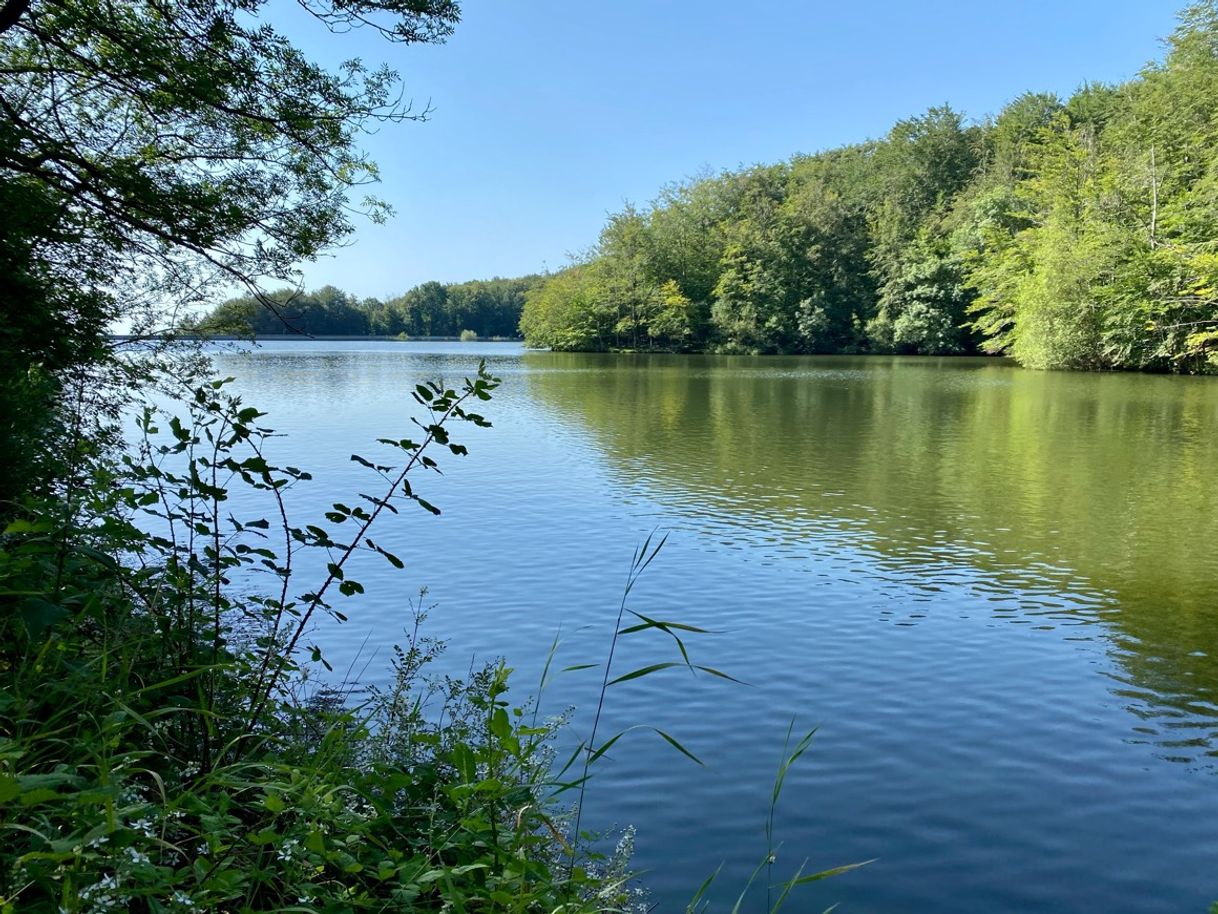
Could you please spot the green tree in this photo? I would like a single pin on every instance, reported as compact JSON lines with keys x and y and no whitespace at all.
{"x":424,"y":309}
{"x":922,"y":308}
{"x":794,"y":273}
{"x":1068,"y":234}
{"x":153,"y":152}
{"x":673,"y":323}
{"x":568,"y":312}
{"x":52,"y":331}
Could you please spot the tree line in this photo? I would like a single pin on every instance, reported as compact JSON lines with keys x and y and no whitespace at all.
{"x":487,"y":308}
{"x":1068,"y":233}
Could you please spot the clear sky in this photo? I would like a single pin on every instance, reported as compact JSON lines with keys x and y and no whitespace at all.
{"x":548,"y":115}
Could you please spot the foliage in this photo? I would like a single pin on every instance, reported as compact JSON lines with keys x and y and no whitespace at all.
{"x":1068,"y":234}
{"x":489,"y":308}
{"x":192,"y":136}
{"x":154,"y":153}
{"x":568,"y":311}
{"x":156,"y":750}
{"x":52,"y":333}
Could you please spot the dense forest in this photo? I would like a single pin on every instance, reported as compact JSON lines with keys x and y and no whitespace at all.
{"x":1078,"y":233}
{"x":487,"y":308}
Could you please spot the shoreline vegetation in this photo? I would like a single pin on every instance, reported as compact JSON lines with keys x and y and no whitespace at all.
{"x":324,"y":337}
{"x":1070,"y":233}
{"x":1065,"y":233}
{"x":482,"y":309}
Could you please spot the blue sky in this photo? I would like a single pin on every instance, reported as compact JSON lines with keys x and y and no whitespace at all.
{"x":548,"y":115}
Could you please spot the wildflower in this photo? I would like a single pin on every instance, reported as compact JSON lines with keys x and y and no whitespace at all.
{"x":135,"y":856}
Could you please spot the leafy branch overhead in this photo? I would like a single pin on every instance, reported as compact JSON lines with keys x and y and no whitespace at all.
{"x":158,"y":154}
{"x":173,"y":136}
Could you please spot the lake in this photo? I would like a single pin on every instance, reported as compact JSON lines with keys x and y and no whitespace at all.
{"x":992,"y":590}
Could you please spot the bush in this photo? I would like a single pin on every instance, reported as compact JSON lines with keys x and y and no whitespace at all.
{"x":468,"y":336}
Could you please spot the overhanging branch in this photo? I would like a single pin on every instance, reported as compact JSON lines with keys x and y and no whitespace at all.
{"x":10,"y":12}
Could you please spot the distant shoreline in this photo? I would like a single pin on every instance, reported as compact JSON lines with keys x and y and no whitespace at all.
{"x":324,"y":337}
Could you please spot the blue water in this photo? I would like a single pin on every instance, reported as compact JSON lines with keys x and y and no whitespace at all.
{"x":993,"y":592}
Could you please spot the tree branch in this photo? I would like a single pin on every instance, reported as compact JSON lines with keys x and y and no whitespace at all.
{"x":12,"y":11}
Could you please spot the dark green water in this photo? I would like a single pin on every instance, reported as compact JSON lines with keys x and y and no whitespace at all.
{"x":992,"y":589}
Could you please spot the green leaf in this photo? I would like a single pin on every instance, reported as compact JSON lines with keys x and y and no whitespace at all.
{"x":27,"y":526}
{"x":39,"y":615}
{"x":676,"y":745}
{"x":643,"y":671}
{"x":37,"y":796}
{"x":500,"y":726}
{"x":719,"y":673}
{"x":664,"y":625}
{"x":825,"y":874}
{"x":465,"y":762}
{"x":605,"y":746}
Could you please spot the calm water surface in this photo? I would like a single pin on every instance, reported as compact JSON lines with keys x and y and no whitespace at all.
{"x":993,"y":590}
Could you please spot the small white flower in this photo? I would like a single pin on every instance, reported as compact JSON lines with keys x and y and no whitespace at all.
{"x":135,"y":856}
